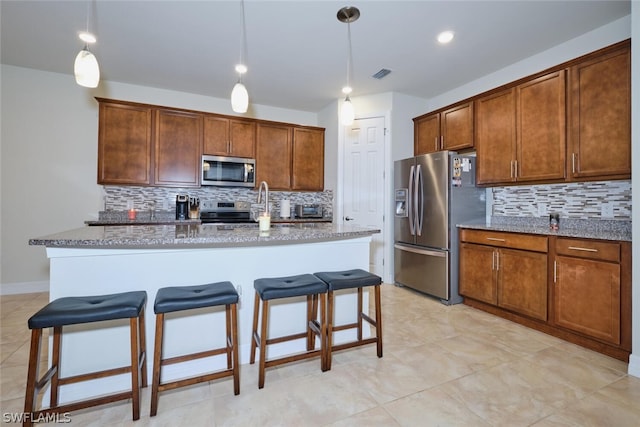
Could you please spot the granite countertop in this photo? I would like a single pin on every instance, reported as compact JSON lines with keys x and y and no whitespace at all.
{"x":199,"y":235}
{"x":579,"y":228}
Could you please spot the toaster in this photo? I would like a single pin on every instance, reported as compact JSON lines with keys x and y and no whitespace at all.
{"x":308,"y":211}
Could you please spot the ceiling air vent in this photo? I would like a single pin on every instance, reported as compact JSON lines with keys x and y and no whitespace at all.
{"x":381,"y":74}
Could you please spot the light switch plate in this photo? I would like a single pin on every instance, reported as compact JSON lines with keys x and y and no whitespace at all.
{"x":542,"y":209}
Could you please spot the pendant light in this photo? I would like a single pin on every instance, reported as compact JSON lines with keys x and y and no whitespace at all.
{"x":239,"y":94}
{"x":85,"y":67}
{"x":348,"y":14}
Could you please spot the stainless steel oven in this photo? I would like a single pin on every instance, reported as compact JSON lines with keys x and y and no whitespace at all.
{"x":228,"y":171}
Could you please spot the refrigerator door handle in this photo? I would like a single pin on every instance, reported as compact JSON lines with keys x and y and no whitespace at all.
{"x":419,"y":200}
{"x":411,"y":201}
{"x":440,"y":254}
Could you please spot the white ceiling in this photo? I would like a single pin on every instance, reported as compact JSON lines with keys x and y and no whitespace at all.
{"x":296,"y":50}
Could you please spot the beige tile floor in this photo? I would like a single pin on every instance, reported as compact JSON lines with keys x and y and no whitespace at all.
{"x":451,"y":366}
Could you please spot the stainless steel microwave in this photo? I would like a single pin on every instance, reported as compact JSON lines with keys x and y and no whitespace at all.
{"x":228,"y":171}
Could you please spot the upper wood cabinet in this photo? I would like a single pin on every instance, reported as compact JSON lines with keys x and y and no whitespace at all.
{"x":273,"y":155}
{"x":124,"y":144}
{"x":229,"y":137}
{"x":308,"y":159}
{"x":290,"y":157}
{"x":177,"y":148}
{"x":451,"y":129}
{"x":600,"y":116}
{"x":520,"y":132}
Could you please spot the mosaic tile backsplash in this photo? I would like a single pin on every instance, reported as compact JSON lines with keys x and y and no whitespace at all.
{"x":164,"y":199}
{"x":583,"y":200}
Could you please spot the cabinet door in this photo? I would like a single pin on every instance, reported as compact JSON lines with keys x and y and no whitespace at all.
{"x":426,"y":138}
{"x":457,"y":127}
{"x":308,"y":160}
{"x":177,"y":149}
{"x":124,"y":144}
{"x":587,"y":297}
{"x":477,"y":278}
{"x":216,"y":136}
{"x":600,"y":116}
{"x":273,"y":156}
{"x":522,"y":282}
{"x":541,"y":141}
{"x":496,"y":137}
{"x":242,"y":138}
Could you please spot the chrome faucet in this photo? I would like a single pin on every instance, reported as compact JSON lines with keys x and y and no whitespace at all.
{"x":264,"y":185}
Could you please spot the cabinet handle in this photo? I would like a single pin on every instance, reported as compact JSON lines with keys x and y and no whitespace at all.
{"x":555,"y":271}
{"x":493,"y":260}
{"x":436,"y":143}
{"x":577,"y":248}
{"x":497,"y":260}
{"x":515,"y":169}
{"x":442,"y":142}
{"x":573,"y":162}
{"x":496,"y":239}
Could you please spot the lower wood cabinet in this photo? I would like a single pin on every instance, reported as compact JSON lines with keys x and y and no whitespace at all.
{"x":506,"y":270}
{"x":575,"y":289}
{"x":586,"y":287}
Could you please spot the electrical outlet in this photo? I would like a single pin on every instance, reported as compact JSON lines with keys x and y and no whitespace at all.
{"x":542,"y":209}
{"x":606,"y":210}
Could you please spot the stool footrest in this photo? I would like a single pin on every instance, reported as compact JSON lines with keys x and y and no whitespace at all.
{"x":94,"y":375}
{"x":351,"y":344}
{"x":187,"y":357}
{"x":70,"y":407}
{"x":195,"y":380}
{"x":292,"y":358}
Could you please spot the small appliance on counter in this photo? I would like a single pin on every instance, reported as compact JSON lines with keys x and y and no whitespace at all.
{"x":309,"y":211}
{"x":182,"y":206}
{"x":194,"y":207}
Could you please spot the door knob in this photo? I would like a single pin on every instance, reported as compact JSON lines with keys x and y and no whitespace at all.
{"x":348,"y":218}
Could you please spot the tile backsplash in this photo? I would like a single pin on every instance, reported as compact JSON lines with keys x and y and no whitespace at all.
{"x":582,"y":200}
{"x":164,"y":199}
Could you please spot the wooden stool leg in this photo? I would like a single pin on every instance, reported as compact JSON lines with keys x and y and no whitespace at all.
{"x":143,"y":347}
{"x":135,"y":368}
{"x":329,"y":326}
{"x":254,"y":333}
{"x":33,"y":374}
{"x":263,"y":342}
{"x":378,"y":320}
{"x":157,"y":361}
{"x":323,"y":333}
{"x":312,"y":308}
{"x":360,"y":311}
{"x":227,"y":323}
{"x":55,"y":361}
{"x":234,"y":348}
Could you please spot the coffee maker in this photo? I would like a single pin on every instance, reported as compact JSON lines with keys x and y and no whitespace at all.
{"x":182,"y":206}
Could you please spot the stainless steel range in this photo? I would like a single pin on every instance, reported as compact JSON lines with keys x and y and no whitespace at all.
{"x":224,"y":212}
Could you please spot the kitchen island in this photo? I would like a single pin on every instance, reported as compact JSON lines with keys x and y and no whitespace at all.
{"x":108,"y":259}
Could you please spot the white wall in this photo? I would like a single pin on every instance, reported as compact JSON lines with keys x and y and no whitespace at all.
{"x":634,"y":360}
{"x":49,"y":159}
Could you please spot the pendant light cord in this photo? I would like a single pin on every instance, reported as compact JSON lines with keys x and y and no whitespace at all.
{"x":243,"y":36}
{"x":349,"y":53}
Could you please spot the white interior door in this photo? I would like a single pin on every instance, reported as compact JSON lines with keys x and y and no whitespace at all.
{"x":363,"y":191}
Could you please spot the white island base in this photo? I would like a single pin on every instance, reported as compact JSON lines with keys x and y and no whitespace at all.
{"x":96,"y":271}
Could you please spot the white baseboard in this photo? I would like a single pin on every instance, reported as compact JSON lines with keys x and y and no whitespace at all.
{"x":634,"y":365}
{"x":24,"y":287}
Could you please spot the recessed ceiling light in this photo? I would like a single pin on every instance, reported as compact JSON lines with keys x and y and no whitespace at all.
{"x":87,"y":37}
{"x":445,"y":37}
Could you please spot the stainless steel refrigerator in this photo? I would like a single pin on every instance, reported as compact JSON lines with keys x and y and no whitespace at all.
{"x":433,"y":193}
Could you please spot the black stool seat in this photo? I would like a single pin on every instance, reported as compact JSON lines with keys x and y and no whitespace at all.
{"x":87,"y":309}
{"x":291,"y":286}
{"x":356,"y":278}
{"x":177,"y":298}
{"x":78,"y":310}
{"x":352,"y":279}
{"x":182,"y":298}
{"x":287,"y":287}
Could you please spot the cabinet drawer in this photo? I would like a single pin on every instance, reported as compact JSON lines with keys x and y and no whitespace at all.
{"x":590,"y":249}
{"x":506,"y":240}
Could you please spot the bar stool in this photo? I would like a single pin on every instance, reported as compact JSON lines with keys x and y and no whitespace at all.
{"x":286,"y":287}
{"x":180,"y":298}
{"x":350,"y":279}
{"x":80,"y":310}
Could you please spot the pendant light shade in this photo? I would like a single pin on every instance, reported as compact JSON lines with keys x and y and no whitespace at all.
{"x":348,"y":15}
{"x":239,"y":98}
{"x":347,"y":113}
{"x":86,"y":69}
